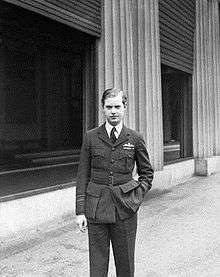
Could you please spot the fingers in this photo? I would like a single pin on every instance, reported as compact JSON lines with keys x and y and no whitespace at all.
{"x":85,"y":223}
{"x":83,"y":226}
{"x":83,"y":229}
{"x":82,"y":223}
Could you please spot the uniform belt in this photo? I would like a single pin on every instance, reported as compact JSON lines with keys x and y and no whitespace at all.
{"x":110,"y":182}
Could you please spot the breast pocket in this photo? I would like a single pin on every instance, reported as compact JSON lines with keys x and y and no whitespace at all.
{"x":125,"y":160}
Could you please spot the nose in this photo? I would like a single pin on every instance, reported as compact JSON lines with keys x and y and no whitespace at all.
{"x":113,"y":110}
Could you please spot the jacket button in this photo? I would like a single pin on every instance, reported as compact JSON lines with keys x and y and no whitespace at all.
{"x":112,"y":161}
{"x":111,"y":173}
{"x":113,"y":148}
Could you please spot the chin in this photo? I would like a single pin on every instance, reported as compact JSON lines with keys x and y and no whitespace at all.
{"x":114,"y":123}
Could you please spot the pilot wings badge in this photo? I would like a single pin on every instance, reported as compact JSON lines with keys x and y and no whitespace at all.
{"x":128,"y":146}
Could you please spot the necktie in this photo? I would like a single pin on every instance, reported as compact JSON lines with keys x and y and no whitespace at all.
{"x":112,"y":135}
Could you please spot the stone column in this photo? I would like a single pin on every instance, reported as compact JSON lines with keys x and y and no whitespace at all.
{"x":214,"y":71}
{"x":147,"y":68}
{"x":206,"y":84}
{"x":115,"y":53}
{"x":129,"y":58}
{"x":206,"y":88}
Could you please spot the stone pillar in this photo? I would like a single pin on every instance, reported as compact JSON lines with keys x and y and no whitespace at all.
{"x":214,"y":71}
{"x":206,"y":84}
{"x":115,"y":53}
{"x":147,"y":68}
{"x":129,"y":58}
{"x":206,"y":88}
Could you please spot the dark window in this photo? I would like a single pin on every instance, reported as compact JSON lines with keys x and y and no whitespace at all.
{"x":177,"y":113}
{"x":19,"y":87}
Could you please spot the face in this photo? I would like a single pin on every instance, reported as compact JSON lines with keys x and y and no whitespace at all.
{"x":114,"y":110}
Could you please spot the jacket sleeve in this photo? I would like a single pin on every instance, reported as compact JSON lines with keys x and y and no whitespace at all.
{"x":144,"y":168}
{"x":83,"y":176}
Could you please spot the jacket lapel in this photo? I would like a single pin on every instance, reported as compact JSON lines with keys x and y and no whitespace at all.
{"x":123,"y":137}
{"x":103,"y":135}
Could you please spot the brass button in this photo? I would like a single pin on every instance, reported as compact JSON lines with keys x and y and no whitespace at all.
{"x":113,"y":148}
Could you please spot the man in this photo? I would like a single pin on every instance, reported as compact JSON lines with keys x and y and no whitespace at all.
{"x":107,"y":197}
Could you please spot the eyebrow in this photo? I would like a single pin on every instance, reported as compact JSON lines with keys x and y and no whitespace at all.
{"x":109,"y":106}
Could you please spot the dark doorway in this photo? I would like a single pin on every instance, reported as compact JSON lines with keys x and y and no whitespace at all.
{"x":177,"y":113}
{"x":43,"y":71}
{"x":63,"y":100}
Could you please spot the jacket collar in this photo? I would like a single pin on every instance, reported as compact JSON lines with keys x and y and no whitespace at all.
{"x":103,"y":135}
{"x":109,"y":127}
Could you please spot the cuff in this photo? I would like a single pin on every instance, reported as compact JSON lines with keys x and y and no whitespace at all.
{"x":80,"y":204}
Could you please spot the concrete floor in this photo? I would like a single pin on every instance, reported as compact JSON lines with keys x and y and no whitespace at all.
{"x":178,"y":235}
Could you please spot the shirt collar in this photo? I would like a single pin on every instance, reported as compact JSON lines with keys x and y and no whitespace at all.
{"x":118,"y":128}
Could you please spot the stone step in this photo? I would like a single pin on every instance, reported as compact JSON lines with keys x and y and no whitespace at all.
{"x":47,"y":154}
{"x":56,"y":159}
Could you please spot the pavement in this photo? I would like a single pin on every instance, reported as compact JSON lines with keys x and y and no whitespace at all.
{"x":178,"y":235}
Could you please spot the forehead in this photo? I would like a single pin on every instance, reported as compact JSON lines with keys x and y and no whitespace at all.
{"x":113,"y":101}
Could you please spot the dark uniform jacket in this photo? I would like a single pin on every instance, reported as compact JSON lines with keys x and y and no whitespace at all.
{"x":104,"y":179}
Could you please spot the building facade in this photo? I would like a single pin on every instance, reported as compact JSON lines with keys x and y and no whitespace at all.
{"x":172,"y":52}
{"x":57,"y":57}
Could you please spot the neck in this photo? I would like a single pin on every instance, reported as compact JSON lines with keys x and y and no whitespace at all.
{"x":120,"y":123}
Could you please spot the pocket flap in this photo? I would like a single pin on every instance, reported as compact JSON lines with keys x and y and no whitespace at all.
{"x":94,"y":189}
{"x":129,"y":186}
{"x":98,"y":152}
{"x":127,"y":154}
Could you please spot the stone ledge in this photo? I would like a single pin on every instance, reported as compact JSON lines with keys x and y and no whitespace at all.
{"x":207,"y":166}
{"x":174,"y":174}
{"x":30,"y":212}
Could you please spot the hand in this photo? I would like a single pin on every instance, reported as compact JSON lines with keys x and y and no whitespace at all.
{"x":81,"y":221}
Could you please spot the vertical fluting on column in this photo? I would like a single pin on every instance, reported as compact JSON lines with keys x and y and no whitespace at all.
{"x":201,"y":140}
{"x":205,"y":81}
{"x":214,"y":71}
{"x":147,"y":76}
{"x":115,"y":53}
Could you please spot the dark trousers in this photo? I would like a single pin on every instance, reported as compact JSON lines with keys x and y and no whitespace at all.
{"x":122,"y":235}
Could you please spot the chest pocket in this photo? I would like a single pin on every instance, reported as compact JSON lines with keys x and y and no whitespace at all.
{"x":98,"y":157}
{"x":127,"y":154}
{"x":125,"y":160}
